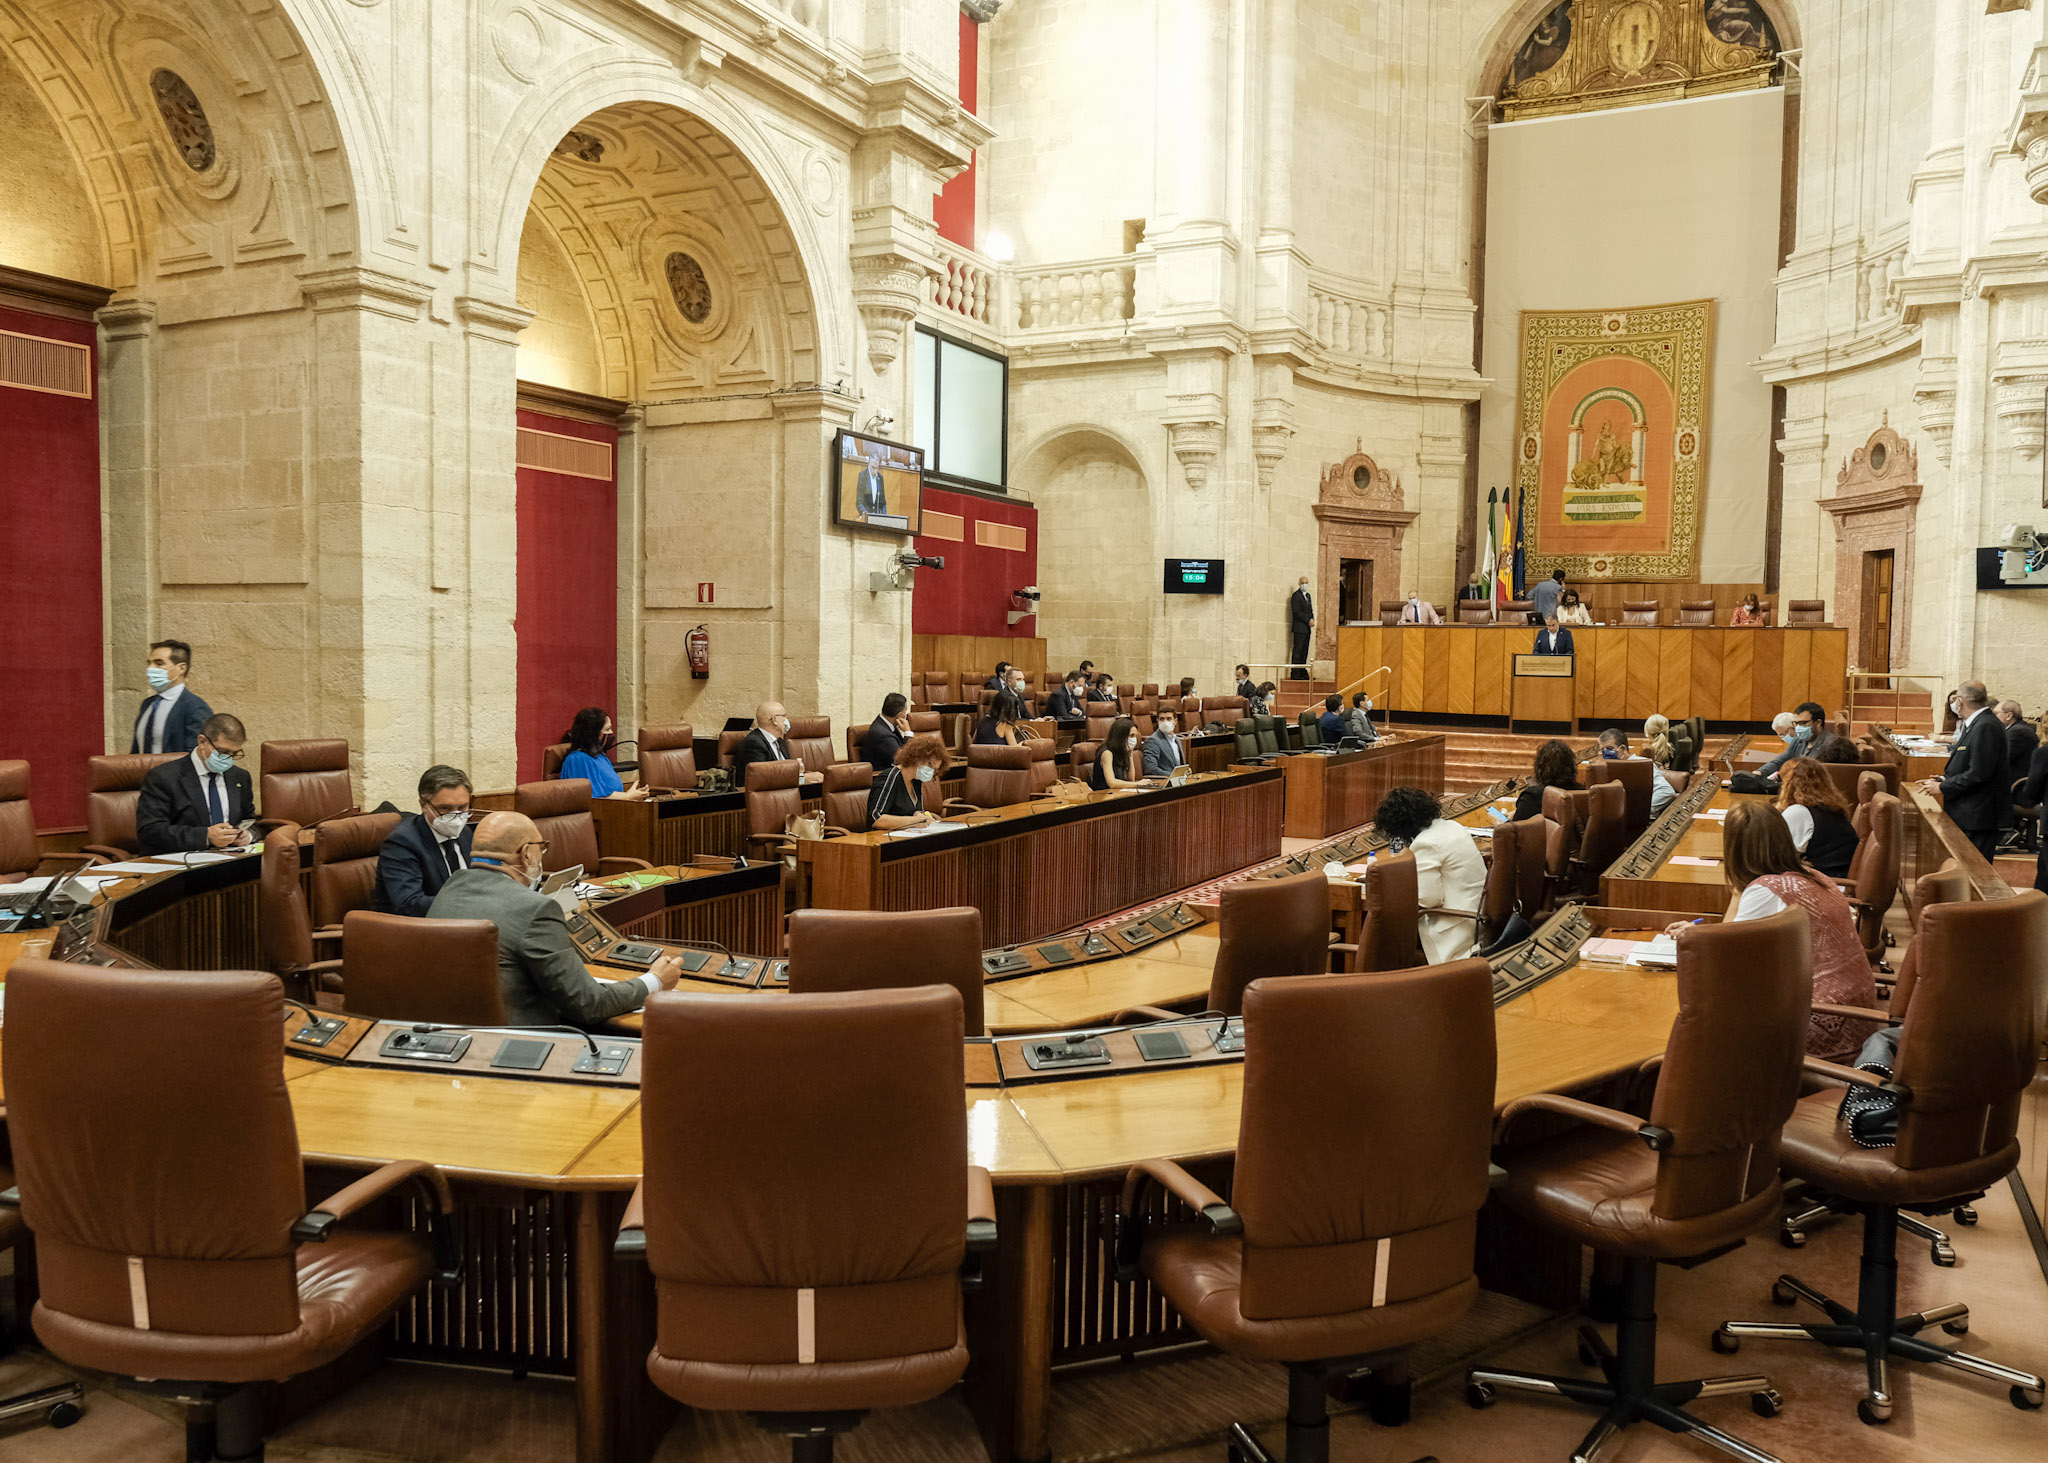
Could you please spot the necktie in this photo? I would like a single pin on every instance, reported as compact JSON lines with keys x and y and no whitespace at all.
{"x":454,"y":861}
{"x":213,"y":799}
{"x":154,"y":742}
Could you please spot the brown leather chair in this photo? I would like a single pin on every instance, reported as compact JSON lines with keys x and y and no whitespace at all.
{"x":1849,"y":777}
{"x":668,"y":755}
{"x":64,"y":1403}
{"x":1806,"y":612}
{"x":774,"y":796}
{"x":439,"y":970}
{"x":1564,"y":808}
{"x":1693,"y":1181}
{"x":807,"y":1248}
{"x":1268,"y":927}
{"x":1639,"y":612}
{"x":169,"y":1208}
{"x":1638,"y":779}
{"x":1526,"y":845}
{"x":1391,"y":936}
{"x":552,"y":757}
{"x":304,"y":781}
{"x":810,"y":742}
{"x":1604,"y":836}
{"x":1081,"y":759}
{"x":20,"y":854}
{"x":113,"y":784}
{"x":728,"y":743}
{"x":925,"y":723}
{"x":1099,"y":723}
{"x":1045,"y":766}
{"x":561,"y":810}
{"x":1475,"y":612}
{"x":1967,"y":1052}
{"x":345,"y":867}
{"x":1876,"y":873}
{"x":997,"y":777}
{"x":1500,"y":896}
{"x":846,"y":789}
{"x":1125,"y":690}
{"x":1331,"y":1250}
{"x":284,"y":928}
{"x":1696,"y":612}
{"x":1517,"y":611}
{"x":871,"y":950}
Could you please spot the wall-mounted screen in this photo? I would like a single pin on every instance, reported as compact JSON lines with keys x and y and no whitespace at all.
{"x":960,"y":410}
{"x":1194,"y":576}
{"x":877,"y":484}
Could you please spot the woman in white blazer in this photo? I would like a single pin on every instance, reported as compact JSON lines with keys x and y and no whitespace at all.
{"x":1449,"y":872}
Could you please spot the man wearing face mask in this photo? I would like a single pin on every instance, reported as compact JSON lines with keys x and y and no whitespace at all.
{"x":767,"y":742}
{"x":1161,"y":751}
{"x":424,"y":850}
{"x":1301,"y":618}
{"x":540,"y":971}
{"x":172,"y":713}
{"x":198,"y":802}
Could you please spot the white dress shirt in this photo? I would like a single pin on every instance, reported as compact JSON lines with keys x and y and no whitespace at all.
{"x":153,"y":727}
{"x":209,"y":780}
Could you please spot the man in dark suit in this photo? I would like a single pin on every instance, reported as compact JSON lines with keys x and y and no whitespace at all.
{"x":1301,"y":618}
{"x":767,"y":742}
{"x":428,"y":847}
{"x":1000,"y":679}
{"x":540,"y":970}
{"x":1552,"y":639}
{"x":171,"y":715}
{"x":870,"y":494}
{"x":1161,"y":752}
{"x":1068,"y":699}
{"x":886,"y":733}
{"x":198,"y":802}
{"x":1975,"y":792}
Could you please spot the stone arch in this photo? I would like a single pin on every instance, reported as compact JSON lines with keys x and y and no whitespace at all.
{"x":1095,"y":541}
{"x":582,"y":89}
{"x":278,"y":187}
{"x":1517,"y":17}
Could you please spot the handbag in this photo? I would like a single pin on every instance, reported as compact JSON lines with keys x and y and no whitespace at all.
{"x":1873,"y":1116}
{"x":805,"y":826}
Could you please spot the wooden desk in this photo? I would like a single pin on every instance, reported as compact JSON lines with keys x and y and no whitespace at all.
{"x":1681,"y":887}
{"x":671,"y":830}
{"x":1625,"y":673}
{"x":739,"y":908}
{"x":1328,"y":794}
{"x":1042,"y":867}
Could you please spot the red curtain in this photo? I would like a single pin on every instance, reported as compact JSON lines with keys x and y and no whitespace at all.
{"x":568,"y":616}
{"x":972,"y":593}
{"x":50,"y":626}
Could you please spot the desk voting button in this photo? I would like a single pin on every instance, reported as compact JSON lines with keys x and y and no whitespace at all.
{"x":694,"y":960}
{"x":1094,"y":944}
{"x":318,"y":1031}
{"x":1053,"y":1054}
{"x":607,"y":1061}
{"x":1005,"y":962}
{"x":1230,"y":1036}
{"x":425,"y":1046}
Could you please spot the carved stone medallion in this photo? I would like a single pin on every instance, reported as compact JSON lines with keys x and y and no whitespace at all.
{"x":691,"y":289}
{"x":183,"y":118}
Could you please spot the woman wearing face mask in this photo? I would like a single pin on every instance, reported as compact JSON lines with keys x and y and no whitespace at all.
{"x":590,"y":742}
{"x":1117,"y":764}
{"x":896,"y":799}
{"x":1571,"y":612}
{"x":1004,"y":724}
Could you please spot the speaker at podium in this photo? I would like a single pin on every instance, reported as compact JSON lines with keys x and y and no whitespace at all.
{"x":1545,"y":689}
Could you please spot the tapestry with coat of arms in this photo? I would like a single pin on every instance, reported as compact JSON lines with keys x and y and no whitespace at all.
{"x":1610,"y":440}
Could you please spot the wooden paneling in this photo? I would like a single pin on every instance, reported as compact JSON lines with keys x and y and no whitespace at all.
{"x":976,"y":655}
{"x":1605,"y":599}
{"x":1327,"y":795}
{"x":1625,"y":673}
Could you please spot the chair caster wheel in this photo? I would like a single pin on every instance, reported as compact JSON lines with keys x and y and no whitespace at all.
{"x":1478,"y":1395}
{"x":1874,"y":1414}
{"x":1725,"y":1344}
{"x":1783,"y":1294}
{"x":1766,"y":1403}
{"x":1965,"y":1214}
{"x":1792,"y":1239}
{"x":2027,"y":1399}
{"x":1960,"y":1326}
{"x":63,"y":1414}
{"x":1944,"y":1254}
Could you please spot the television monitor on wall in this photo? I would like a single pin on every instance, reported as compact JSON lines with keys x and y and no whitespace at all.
{"x":877,"y":484}
{"x":1194,"y":576}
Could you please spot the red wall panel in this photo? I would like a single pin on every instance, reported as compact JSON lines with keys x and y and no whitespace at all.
{"x":971,"y":594}
{"x":568,"y":615}
{"x":50,"y":628}
{"x":953,"y":205}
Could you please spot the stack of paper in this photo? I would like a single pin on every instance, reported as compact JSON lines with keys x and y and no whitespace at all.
{"x":1609,"y":951}
{"x":941,"y":827}
{"x":1658,"y":954}
{"x":128,"y":869}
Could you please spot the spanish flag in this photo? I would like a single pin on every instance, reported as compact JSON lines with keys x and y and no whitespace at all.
{"x":1504,"y":562}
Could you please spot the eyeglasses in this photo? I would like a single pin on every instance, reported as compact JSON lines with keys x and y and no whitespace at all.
{"x":539,"y":843}
{"x":231,"y":756}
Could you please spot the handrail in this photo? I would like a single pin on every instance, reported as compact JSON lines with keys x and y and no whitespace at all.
{"x":1856,"y":675}
{"x":1347,"y":690}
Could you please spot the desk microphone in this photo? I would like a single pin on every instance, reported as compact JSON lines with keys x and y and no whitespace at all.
{"x":424,"y":1028}
{"x":725,"y":969}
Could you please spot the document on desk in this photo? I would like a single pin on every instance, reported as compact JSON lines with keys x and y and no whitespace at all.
{"x":920,"y":832}
{"x":1718,"y":815}
{"x":127,"y":869}
{"x":1609,"y":951}
{"x":38,"y":884}
{"x":1658,"y":954}
{"x":1692,"y":862}
{"x":208,"y":855}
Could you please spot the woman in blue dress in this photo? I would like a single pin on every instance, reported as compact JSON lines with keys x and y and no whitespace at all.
{"x":590,"y":742}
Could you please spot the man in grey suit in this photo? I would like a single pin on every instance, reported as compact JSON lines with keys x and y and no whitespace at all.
{"x":1162,"y":749}
{"x":540,"y":970}
{"x":870,"y":495}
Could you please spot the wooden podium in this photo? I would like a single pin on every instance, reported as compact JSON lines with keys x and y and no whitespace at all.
{"x":1545,"y":688}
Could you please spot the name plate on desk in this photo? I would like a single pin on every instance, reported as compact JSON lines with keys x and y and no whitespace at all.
{"x":1555,"y":667}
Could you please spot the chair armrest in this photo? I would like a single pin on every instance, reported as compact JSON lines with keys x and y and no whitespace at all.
{"x":1132,"y":1014}
{"x":631,"y":1243}
{"x":1850,"y":1076}
{"x":327,"y":932}
{"x":10,"y":1198}
{"x":959,"y":805}
{"x":108,"y":855}
{"x":1586,"y":1112}
{"x":777,"y":843}
{"x":1861,"y":1013}
{"x":317,"y":1225}
{"x":1177,"y":1181}
{"x":75,"y":860}
{"x":981,"y":1229}
{"x":620,"y":864}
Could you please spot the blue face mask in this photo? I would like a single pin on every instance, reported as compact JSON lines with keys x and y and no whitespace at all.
{"x":1610,"y":753}
{"x":926,"y":772}
{"x":218,"y":762}
{"x":158,"y":677}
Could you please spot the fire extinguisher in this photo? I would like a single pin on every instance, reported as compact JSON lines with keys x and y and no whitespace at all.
{"x":698,"y":642}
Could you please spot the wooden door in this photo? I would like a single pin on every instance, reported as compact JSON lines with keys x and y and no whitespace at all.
{"x":1355,"y":604}
{"x":1875,"y":649}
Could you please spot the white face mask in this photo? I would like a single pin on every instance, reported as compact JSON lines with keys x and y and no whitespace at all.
{"x":447,"y":825}
{"x":926,"y":772}
{"x":1167,"y":727}
{"x":535,"y":876}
